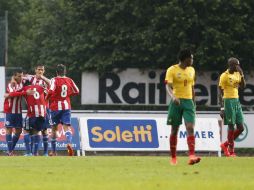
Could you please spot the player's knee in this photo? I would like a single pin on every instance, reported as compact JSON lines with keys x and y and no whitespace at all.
{"x":241,"y":128}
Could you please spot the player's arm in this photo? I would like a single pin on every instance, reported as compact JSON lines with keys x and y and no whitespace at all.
{"x":193,"y":91}
{"x":46,"y":80}
{"x":193,"y":94}
{"x":221,"y":94}
{"x":75,"y":89}
{"x":51,"y":89}
{"x":22,"y":93}
{"x":169,"y":89}
{"x":242,"y":82}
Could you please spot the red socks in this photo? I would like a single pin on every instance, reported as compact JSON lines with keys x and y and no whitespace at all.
{"x":191,"y":144}
{"x":237,"y":132}
{"x":173,"y":143}
{"x":231,"y":140}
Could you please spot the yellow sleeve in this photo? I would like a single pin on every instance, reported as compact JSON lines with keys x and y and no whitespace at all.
{"x":169,"y":75}
{"x":222,"y":81}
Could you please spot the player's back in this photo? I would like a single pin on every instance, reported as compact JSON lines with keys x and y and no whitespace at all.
{"x":61,"y":89}
{"x":36,"y":103}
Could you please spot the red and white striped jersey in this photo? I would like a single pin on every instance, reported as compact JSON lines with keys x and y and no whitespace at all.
{"x":61,"y":88}
{"x":36,"y":104}
{"x":37,"y":81}
{"x":13,"y":104}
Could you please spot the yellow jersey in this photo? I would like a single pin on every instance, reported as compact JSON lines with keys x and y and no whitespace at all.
{"x":230,"y":84}
{"x":182,"y":81}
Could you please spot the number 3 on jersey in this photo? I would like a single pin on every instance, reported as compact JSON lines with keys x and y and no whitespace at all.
{"x":64,"y":91}
{"x":36,"y":94}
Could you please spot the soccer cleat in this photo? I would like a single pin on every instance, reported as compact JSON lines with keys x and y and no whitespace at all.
{"x":46,"y":154}
{"x":70,"y":150}
{"x":225,"y":150}
{"x":30,"y":154}
{"x":173,"y":161}
{"x":193,"y":160}
{"x":10,"y":153}
{"x":52,"y":154}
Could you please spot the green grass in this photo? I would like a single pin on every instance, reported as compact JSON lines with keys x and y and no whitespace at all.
{"x":124,"y":172}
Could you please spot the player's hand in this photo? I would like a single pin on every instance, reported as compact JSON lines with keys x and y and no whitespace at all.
{"x":239,"y":69}
{"x":6,"y":95}
{"x":222,"y":114}
{"x":176,"y":101}
{"x":13,"y":82}
{"x":30,"y":92}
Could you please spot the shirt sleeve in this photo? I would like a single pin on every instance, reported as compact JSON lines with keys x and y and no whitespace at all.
{"x":222,"y":81}
{"x":52,"y":86}
{"x":10,"y":88}
{"x":75,"y":89}
{"x":169,"y":76}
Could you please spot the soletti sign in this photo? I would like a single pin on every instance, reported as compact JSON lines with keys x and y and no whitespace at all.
{"x":146,"y":87}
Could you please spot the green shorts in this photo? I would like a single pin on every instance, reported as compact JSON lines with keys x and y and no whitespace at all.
{"x":233,"y":113}
{"x":186,"y":109}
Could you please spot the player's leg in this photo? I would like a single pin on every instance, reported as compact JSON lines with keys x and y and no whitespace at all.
{"x":239,"y":124}
{"x":27,"y":141}
{"x":53,"y":140}
{"x":175,"y":120}
{"x":8,"y":137}
{"x":230,"y":120}
{"x":37,"y":127}
{"x":45,"y":138}
{"x":55,"y":117}
{"x":18,"y":129}
{"x":189,"y":118}
{"x":8,"y":122}
{"x":239,"y":121}
{"x":15,"y":137}
{"x":66,"y":120}
{"x":45,"y":133}
{"x":36,"y":141}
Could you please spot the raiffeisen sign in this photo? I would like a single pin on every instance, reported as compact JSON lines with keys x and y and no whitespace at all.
{"x":147,"y":87}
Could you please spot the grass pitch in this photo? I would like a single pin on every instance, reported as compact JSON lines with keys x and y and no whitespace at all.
{"x":124,"y":172}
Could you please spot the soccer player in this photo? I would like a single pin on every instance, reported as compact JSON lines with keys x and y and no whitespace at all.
{"x":36,"y":112}
{"x":13,"y":112}
{"x":179,"y":81}
{"x":231,"y":110}
{"x":61,"y":88}
{"x":39,"y":79}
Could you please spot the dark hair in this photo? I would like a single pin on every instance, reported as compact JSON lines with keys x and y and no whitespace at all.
{"x":27,"y":83}
{"x":16,"y":71}
{"x":184,"y":54}
{"x":60,"y":69}
{"x":39,"y":65}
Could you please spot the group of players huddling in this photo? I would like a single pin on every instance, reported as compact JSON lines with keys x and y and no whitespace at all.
{"x":48,"y":105}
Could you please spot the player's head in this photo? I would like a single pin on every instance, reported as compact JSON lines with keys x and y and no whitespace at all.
{"x":39,"y":70}
{"x":17,"y":75}
{"x":185,"y":56}
{"x":60,"y":70}
{"x":232,"y":63}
